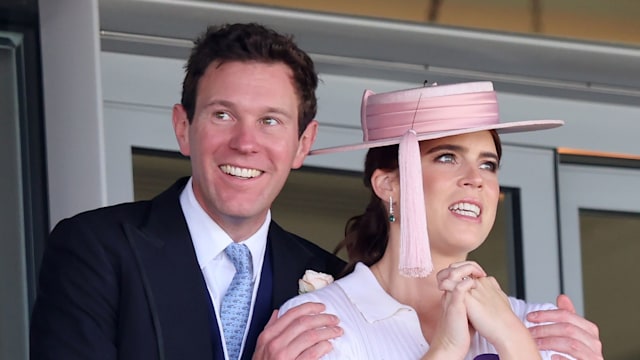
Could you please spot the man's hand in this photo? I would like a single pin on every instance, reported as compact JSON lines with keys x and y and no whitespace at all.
{"x":570,"y":334}
{"x":302,"y":333}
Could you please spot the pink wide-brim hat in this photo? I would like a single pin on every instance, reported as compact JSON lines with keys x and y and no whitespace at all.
{"x":433,"y":112}
{"x":406,"y":117}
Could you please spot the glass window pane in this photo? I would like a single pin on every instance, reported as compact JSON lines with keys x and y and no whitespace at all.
{"x":316,"y":204}
{"x":500,"y":255}
{"x":610,"y":249}
{"x":154,"y":171}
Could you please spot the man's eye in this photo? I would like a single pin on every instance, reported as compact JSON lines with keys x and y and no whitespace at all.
{"x":221,"y":115}
{"x":269,"y":121}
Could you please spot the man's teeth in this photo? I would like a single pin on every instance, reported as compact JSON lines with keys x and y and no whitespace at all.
{"x":240,"y":172}
{"x":465,"y":209}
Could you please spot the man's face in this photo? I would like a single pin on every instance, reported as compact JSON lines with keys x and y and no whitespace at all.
{"x":243,"y":141}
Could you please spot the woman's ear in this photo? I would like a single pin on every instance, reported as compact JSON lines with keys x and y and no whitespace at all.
{"x":385,"y":184}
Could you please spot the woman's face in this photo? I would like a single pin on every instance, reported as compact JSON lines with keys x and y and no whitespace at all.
{"x":461,"y":190}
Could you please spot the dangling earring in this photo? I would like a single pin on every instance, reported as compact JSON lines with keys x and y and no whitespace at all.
{"x":392,"y":217}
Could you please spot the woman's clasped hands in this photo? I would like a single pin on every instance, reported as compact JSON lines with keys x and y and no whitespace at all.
{"x":474,"y":302}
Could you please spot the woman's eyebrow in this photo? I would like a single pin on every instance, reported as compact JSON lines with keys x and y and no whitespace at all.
{"x":461,"y":149}
{"x":450,"y":147}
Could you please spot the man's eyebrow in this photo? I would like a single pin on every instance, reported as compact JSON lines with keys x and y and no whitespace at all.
{"x":218,"y":102}
{"x":231,"y":105}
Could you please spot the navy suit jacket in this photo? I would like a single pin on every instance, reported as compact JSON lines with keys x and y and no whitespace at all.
{"x":123,"y":282}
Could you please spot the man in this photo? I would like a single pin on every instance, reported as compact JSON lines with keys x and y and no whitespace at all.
{"x":147,"y":280}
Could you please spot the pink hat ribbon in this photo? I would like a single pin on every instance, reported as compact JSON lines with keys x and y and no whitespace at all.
{"x":432,"y":114}
{"x":415,"y":254}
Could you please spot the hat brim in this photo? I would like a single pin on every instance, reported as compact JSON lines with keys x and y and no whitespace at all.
{"x":501,"y":128}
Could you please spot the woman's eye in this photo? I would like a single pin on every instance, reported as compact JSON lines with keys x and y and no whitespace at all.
{"x":446,"y":158}
{"x":489,"y":165}
{"x":221,"y":115}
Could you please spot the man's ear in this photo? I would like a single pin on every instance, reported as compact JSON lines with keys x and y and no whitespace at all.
{"x":181,"y":128}
{"x":385,"y":184}
{"x":305,"y":143}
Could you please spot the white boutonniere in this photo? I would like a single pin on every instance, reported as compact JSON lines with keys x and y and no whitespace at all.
{"x":313,"y":280}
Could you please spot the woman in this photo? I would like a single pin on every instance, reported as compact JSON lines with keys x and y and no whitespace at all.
{"x":434,"y":157}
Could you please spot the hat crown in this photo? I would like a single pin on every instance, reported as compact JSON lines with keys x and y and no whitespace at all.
{"x":432,"y":112}
{"x":429,"y":109}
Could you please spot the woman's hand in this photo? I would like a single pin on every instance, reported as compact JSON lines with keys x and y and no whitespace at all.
{"x":491,"y":315}
{"x":450,"y":277}
{"x":453,"y":334}
{"x":489,"y":310}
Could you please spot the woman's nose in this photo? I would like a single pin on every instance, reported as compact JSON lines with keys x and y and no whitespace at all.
{"x":471,"y":177}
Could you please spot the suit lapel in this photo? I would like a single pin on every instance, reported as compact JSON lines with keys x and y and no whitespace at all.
{"x":175,"y":287}
{"x":290,"y":260}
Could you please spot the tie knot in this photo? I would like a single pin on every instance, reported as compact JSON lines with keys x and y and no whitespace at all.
{"x":240,"y":257}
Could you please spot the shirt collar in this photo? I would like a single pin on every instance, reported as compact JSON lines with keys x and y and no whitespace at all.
{"x":364,"y":291}
{"x":210,"y":240}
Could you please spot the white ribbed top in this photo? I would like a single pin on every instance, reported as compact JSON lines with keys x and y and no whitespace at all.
{"x":376,"y":326}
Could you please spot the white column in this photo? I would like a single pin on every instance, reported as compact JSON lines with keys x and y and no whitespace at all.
{"x":69,"y":31}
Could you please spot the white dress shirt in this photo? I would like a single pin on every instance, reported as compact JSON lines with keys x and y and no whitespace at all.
{"x":209,"y":242}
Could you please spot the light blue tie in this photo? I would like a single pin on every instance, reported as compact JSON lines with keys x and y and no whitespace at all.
{"x":234,"y":310}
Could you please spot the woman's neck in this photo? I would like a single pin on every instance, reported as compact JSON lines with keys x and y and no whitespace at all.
{"x":422,"y":294}
{"x":419,"y":293}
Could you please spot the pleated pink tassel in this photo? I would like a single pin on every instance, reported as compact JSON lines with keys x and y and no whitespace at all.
{"x":415,"y":255}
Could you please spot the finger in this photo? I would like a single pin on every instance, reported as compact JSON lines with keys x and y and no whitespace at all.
{"x":319,"y":348}
{"x":489,"y":282}
{"x":449,"y":284}
{"x":455,"y":297}
{"x":314,"y":343}
{"x":559,"y":357}
{"x":272,"y":319}
{"x":567,"y":338}
{"x":298,"y":330}
{"x":296,"y":321}
{"x":565,"y":303}
{"x":310,"y":308}
{"x":468,"y":263}
{"x":564,"y":316}
{"x":453,"y":331}
{"x":449,"y":277}
{"x":306,"y":323}
{"x":466,"y":269}
{"x":569,"y":346}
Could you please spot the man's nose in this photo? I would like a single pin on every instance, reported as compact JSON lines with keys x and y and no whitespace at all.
{"x":244,"y":137}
